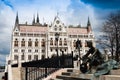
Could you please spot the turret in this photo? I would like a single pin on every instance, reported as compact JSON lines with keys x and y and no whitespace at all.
{"x":17,"y":20}
{"x":88,"y":23}
{"x":16,"y":27}
{"x":37,"y":20}
{"x":89,"y":29}
{"x":33,"y":23}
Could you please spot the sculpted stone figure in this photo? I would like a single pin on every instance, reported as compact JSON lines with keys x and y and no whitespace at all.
{"x":92,"y":58}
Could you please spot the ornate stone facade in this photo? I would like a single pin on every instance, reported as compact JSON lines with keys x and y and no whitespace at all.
{"x":36,"y":41}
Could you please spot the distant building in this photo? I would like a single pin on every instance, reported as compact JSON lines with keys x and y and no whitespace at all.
{"x":36,"y":41}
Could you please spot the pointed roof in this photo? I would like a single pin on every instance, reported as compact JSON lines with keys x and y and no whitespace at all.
{"x":33,"y":20}
{"x":37,"y":20}
{"x":88,"y":23}
{"x":89,"y":29}
{"x":17,"y":19}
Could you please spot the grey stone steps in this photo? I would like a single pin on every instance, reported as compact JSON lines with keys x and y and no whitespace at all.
{"x":69,"y":70}
{"x":69,"y":78}
{"x":66,"y":73}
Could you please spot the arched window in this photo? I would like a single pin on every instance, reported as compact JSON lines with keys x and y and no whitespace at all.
{"x":60,"y":42}
{"x":15,"y":57}
{"x":23,"y":43}
{"x":16,"y":42}
{"x":60,"y":28}
{"x":29,"y":43}
{"x":43,"y":57}
{"x":43,"y":43}
{"x":35,"y":57}
{"x":22,"y":57}
{"x":51,"y":41}
{"x":29,"y":57}
{"x":65,"y":41}
{"x":55,"y":29}
{"x":36,"y":43}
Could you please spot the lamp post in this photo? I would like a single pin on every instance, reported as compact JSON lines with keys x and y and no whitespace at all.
{"x":78,"y":45}
{"x":56,"y":39}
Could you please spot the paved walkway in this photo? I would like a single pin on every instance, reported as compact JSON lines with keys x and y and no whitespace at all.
{"x":1,"y":74}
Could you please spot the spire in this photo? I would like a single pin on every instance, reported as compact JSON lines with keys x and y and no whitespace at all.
{"x":17,"y":20}
{"x":37,"y":21}
{"x":33,"y":20}
{"x":56,"y":16}
{"x":88,"y":23}
{"x":89,"y":26}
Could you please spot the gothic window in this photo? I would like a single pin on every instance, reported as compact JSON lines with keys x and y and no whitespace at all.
{"x":30,"y":34}
{"x":43,"y":51}
{"x":29,"y":43}
{"x":43,"y":43}
{"x":57,"y":21}
{"x":36,"y":43}
{"x":51,"y":41}
{"x":16,"y":42}
{"x":22,"y":34}
{"x":29,"y":57}
{"x":60,"y":26}
{"x":29,"y":50}
{"x":16,"y":34}
{"x":15,"y":57}
{"x":43,"y":57}
{"x":65,"y":41}
{"x":23,"y":43}
{"x":85,"y":36}
{"x":55,"y":29}
{"x":74,"y":43}
{"x":15,"y":50}
{"x":60,"y":29}
{"x":22,"y":50}
{"x":22,"y":57}
{"x":60,"y":42}
{"x":36,"y":50}
{"x":35,"y":57}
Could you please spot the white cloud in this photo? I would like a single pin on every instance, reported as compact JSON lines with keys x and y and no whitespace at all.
{"x":6,"y":23}
{"x":2,"y":59}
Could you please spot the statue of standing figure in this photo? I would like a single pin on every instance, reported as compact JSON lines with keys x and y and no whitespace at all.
{"x":91,"y":59}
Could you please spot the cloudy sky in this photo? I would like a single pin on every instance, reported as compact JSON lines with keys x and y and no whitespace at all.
{"x":70,"y":11}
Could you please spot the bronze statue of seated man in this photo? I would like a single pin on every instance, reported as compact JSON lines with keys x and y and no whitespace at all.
{"x":92,"y":58}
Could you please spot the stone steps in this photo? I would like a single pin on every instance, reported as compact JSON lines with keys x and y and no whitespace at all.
{"x":72,"y":74}
{"x":67,"y":75}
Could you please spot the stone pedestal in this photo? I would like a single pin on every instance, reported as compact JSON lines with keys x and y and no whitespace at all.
{"x":16,"y":73}
{"x":115,"y":72}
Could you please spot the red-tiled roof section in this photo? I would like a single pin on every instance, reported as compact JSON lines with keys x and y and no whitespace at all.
{"x":39,"y":29}
{"x":75,"y":31}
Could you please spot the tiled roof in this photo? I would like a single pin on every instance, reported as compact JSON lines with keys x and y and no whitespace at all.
{"x":39,"y":29}
{"x":75,"y":31}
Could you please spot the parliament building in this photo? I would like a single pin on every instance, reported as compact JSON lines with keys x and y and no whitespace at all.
{"x":37,"y":41}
